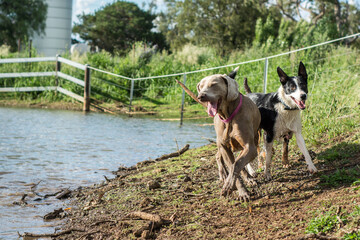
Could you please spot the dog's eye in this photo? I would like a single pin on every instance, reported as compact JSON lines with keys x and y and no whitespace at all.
{"x":293,"y":88}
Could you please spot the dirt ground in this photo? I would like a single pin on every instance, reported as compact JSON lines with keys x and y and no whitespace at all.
{"x":73,"y":106}
{"x":182,"y":198}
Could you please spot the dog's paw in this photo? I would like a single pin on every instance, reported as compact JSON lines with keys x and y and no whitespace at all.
{"x":286,"y":166}
{"x":228,"y":187}
{"x":244,"y":195}
{"x":267,"y":176}
{"x":312,"y":169}
{"x":250,"y":181}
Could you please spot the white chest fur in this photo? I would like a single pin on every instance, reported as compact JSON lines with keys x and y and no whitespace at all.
{"x":286,"y":121}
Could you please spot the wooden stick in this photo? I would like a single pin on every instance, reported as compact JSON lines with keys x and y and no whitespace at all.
{"x":191,"y":94}
{"x":174,"y":154}
{"x":43,"y":235}
{"x":146,"y":216}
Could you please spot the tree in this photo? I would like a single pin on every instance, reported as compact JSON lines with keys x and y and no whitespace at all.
{"x":117,"y":26}
{"x":223,"y":24}
{"x":344,"y":15}
{"x":20,"y":20}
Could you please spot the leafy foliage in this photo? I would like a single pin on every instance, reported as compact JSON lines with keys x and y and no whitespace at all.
{"x":20,"y":20}
{"x":117,"y":26}
{"x":224,"y":25}
{"x":324,"y":223}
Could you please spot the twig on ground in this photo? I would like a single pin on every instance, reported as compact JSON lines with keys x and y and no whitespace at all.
{"x":43,"y":235}
{"x":174,"y":154}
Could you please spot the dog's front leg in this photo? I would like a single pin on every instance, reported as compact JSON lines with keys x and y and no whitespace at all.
{"x":233,"y":180}
{"x":250,"y":170}
{"x":248,"y":154}
{"x":221,"y":166}
{"x":268,"y":151}
{"x":301,"y":144}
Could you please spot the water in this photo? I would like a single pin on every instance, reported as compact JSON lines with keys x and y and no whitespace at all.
{"x":65,"y":149}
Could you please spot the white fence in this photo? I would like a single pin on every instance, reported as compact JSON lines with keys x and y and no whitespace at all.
{"x":57,"y":73}
{"x":86,"y":68}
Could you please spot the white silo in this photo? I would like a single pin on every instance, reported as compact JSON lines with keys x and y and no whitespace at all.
{"x":57,"y":38}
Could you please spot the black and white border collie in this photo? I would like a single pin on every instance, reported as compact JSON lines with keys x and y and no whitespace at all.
{"x":280,"y":114}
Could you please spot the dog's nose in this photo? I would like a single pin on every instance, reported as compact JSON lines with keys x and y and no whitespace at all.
{"x":303,"y":96}
{"x":201,"y":97}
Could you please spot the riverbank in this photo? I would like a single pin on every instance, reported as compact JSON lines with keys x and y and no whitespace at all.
{"x":180,"y":199}
{"x":169,"y":112}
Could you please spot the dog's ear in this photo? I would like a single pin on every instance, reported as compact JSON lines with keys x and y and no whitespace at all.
{"x":233,"y":73}
{"x":282,"y":75}
{"x":302,"y":71}
{"x":232,"y":88}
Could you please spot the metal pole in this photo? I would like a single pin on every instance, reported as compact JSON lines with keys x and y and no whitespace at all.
{"x":182,"y":103}
{"x":57,"y":69}
{"x":265,"y":73}
{"x":131,"y":94}
{"x":30,"y":46}
{"x":86,"y":107}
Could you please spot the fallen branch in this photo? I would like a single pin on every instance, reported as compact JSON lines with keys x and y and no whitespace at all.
{"x":174,"y":154}
{"x":64,"y":194}
{"x":146,"y":216}
{"x":44,"y":235}
{"x":155,"y":219}
{"x":54,"y":214}
{"x":163,"y":157}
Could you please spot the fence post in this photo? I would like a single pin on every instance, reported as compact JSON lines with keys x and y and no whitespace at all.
{"x":265,"y":73}
{"x":182,"y":103}
{"x":57,"y":69}
{"x":131,"y":94}
{"x":87,"y":89}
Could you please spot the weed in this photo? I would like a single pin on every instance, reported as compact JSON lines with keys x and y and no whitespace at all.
{"x":339,"y":152}
{"x":356,"y":212}
{"x":352,"y":236}
{"x":341,"y":176}
{"x":356,"y":183}
{"x":324,"y":223}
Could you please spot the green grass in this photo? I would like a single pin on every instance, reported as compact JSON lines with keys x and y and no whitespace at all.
{"x":329,"y":222}
{"x":352,"y":236}
{"x":341,"y":151}
{"x":324,"y":223}
{"x":333,"y":70}
{"x":340,"y":177}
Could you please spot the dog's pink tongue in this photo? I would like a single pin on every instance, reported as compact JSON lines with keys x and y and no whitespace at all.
{"x":212,"y":109}
{"x":302,"y":104}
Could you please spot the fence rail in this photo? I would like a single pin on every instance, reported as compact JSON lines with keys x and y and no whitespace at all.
{"x":28,"y":89}
{"x":86,"y":68}
{"x":57,"y":73}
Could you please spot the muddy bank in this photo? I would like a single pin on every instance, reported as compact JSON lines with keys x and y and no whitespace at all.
{"x":74,"y":106}
{"x":178,"y":198}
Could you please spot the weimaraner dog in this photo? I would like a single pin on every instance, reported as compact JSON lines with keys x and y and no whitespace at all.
{"x":236,"y":121}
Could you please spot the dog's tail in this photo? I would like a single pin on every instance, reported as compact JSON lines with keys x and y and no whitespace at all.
{"x":246,"y":86}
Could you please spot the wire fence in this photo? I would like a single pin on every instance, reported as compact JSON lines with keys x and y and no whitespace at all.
{"x":109,"y":86}
{"x":261,"y":69}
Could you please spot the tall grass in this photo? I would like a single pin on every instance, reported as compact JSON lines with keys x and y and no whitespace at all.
{"x":333,"y":72}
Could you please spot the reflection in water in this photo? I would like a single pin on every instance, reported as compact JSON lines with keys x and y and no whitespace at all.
{"x":62,"y":149}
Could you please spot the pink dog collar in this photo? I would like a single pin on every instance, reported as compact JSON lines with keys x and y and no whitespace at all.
{"x":234,"y":113}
